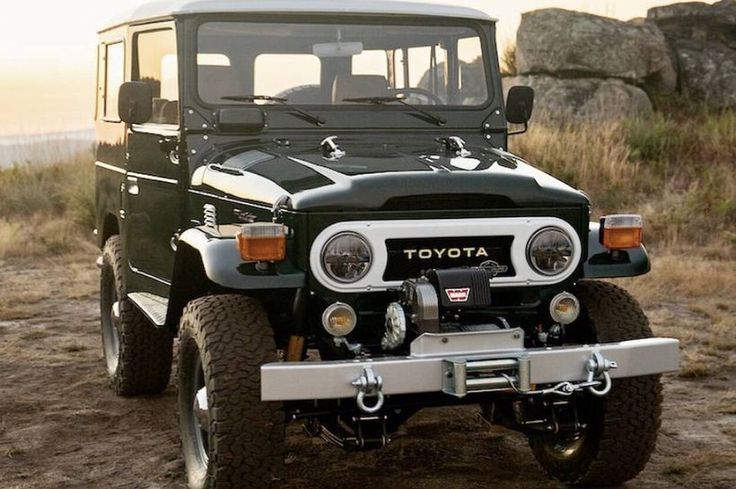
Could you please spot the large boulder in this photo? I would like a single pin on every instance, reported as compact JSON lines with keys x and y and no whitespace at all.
{"x":707,"y":72}
{"x":583,"y":99}
{"x":574,"y":44}
{"x":703,"y":40}
{"x":697,"y":21}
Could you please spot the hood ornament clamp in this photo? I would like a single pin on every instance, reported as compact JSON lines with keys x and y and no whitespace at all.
{"x":456,"y":146}
{"x":331,"y":151}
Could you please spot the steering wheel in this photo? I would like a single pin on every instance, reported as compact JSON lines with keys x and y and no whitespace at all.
{"x":302,"y":94}
{"x":430,"y":97}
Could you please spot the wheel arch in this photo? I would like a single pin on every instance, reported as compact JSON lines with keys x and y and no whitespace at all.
{"x":110,"y":226}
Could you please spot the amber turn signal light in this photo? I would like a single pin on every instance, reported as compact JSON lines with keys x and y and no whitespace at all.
{"x":262,"y":241}
{"x":621,"y":232}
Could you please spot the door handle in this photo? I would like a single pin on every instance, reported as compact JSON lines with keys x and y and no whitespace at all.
{"x":133,"y":188}
{"x":170,"y":148}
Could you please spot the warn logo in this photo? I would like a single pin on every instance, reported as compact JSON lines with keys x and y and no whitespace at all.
{"x":458,"y":295}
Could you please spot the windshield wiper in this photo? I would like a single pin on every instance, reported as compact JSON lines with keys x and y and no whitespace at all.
{"x":440,"y":121}
{"x":314,"y":119}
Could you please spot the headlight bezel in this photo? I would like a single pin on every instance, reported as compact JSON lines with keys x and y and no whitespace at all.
{"x":530,"y":245}
{"x":351,"y":234}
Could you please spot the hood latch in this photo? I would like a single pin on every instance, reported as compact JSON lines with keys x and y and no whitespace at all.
{"x":456,"y":146}
{"x":331,"y":151}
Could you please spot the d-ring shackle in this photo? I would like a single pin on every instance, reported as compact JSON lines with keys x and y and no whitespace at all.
{"x":598,"y":366}
{"x":369,"y":385}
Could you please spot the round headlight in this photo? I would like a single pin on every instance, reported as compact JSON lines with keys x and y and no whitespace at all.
{"x":346,"y":257}
{"x":550,"y":251}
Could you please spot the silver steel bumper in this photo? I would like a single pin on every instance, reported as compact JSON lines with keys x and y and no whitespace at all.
{"x":460,"y":363}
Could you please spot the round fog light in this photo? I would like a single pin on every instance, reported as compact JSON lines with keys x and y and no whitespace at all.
{"x":339,"y":319}
{"x":564,"y":308}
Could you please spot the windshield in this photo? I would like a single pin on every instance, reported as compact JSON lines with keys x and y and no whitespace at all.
{"x":325,"y":64}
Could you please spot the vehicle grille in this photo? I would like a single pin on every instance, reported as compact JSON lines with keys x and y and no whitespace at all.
{"x":408,"y":258}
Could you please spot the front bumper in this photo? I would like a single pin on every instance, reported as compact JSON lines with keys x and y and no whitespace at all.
{"x":461,"y":363}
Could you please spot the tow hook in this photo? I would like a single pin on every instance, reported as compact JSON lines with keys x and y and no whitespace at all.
{"x":598,"y":365}
{"x":369,"y":385}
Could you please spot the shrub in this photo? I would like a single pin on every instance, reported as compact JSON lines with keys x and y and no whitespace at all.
{"x":509,"y":65}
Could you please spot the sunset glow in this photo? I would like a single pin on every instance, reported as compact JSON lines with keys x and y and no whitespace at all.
{"x":47,"y":53}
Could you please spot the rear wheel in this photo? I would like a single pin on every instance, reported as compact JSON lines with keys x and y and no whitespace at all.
{"x":230,"y":438}
{"x":620,"y":429}
{"x":137,"y":354}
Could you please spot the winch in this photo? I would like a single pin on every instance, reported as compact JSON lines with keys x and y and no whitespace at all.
{"x":424,"y":301}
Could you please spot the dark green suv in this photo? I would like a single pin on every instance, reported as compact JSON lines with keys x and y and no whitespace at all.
{"x":317,"y":199}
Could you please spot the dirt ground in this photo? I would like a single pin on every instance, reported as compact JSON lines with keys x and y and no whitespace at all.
{"x":60,"y":426}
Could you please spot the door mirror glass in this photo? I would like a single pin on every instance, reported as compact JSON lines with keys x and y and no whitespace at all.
{"x":135,"y":102}
{"x":519,"y":104}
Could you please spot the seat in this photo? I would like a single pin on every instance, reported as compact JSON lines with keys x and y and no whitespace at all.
{"x":356,"y":86}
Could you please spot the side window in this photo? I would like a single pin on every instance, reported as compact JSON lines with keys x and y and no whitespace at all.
{"x":114,"y":77}
{"x":156,"y":63}
{"x":473,"y":84}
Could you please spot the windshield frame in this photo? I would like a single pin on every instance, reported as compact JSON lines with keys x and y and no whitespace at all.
{"x":479,"y":27}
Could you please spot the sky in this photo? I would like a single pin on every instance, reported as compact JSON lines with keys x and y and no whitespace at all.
{"x":47,"y":53}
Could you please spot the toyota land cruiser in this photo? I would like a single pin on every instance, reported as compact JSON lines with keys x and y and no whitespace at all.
{"x":317,"y":198}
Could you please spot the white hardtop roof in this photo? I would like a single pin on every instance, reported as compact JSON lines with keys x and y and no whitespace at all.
{"x":171,"y":8}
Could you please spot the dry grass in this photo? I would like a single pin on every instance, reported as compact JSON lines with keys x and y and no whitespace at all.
{"x":677,"y":170}
{"x":60,"y":190}
{"x":693,"y":299}
{"x":46,"y":210}
{"x":29,"y":287}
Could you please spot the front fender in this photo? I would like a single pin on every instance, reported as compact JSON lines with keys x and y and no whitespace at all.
{"x":602,"y":263}
{"x":223,"y":266}
{"x":208,"y":262}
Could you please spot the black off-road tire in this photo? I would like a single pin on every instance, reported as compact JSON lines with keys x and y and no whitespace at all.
{"x":622,"y":426}
{"x":224,"y":340}
{"x":137,"y":354}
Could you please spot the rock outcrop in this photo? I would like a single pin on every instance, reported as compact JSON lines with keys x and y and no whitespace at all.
{"x":583,"y":99}
{"x":563,"y":43}
{"x":585,"y":67}
{"x":703,"y":43}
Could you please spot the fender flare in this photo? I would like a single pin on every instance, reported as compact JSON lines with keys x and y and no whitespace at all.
{"x":207,"y":262}
{"x":602,"y":263}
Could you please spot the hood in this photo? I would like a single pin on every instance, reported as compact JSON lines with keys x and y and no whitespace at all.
{"x":383,"y":177}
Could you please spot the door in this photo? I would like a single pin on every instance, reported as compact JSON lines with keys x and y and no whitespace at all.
{"x":152,"y":180}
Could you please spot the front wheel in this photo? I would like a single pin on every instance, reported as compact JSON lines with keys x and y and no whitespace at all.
{"x":620,"y":429}
{"x":230,"y":438}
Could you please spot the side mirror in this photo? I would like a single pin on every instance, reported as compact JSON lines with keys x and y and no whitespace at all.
{"x":135,"y":102}
{"x":519,"y":106}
